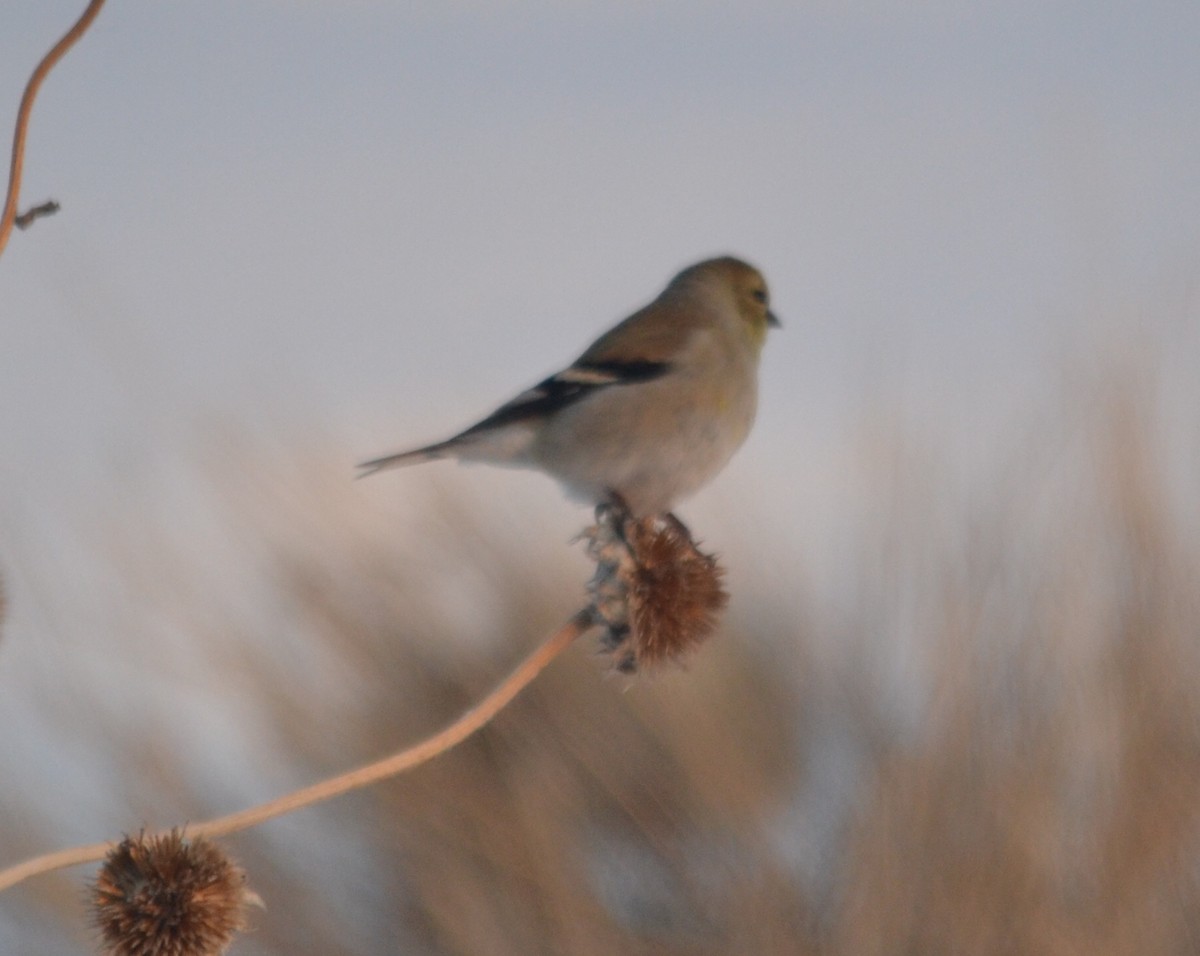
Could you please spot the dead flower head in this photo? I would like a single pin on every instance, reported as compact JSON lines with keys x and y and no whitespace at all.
{"x":168,"y":896}
{"x":656,"y":594}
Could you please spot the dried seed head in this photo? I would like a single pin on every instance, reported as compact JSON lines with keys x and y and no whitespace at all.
{"x":655,"y":592}
{"x":167,"y":896}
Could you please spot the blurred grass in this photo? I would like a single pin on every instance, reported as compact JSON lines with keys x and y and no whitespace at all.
{"x":1002,"y":756}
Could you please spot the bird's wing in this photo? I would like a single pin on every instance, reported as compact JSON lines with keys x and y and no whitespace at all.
{"x":639,"y":349}
{"x":658,"y":333}
{"x":567,"y":387}
{"x":545,"y":398}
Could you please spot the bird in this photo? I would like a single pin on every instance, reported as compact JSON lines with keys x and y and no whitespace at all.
{"x":650,"y":412}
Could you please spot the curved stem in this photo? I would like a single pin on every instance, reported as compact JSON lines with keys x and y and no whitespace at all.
{"x":57,"y":52}
{"x":406,"y":759}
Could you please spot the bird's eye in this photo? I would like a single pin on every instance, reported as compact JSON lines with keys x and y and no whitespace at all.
{"x":760,"y":295}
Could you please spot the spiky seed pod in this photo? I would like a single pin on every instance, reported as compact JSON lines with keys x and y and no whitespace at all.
{"x":656,"y":593}
{"x":168,"y":896}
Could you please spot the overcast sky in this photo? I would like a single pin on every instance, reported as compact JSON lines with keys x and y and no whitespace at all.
{"x":383,"y":217}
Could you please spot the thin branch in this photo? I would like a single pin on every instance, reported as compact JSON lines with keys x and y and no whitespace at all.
{"x":419,"y":753}
{"x":397,"y":763}
{"x":30,"y":215}
{"x":57,"y":52}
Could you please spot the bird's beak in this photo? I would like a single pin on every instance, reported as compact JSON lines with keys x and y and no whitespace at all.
{"x":773,"y":320}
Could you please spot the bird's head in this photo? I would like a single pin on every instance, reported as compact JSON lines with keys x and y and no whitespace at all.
{"x":740,"y":284}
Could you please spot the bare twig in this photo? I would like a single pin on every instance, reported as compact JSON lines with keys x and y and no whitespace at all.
{"x":57,"y":52}
{"x":406,"y":759}
{"x":29,"y":216}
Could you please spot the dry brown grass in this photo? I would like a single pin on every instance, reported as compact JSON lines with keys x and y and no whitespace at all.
{"x":1040,"y":794}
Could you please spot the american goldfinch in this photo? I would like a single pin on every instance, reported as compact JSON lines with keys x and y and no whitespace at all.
{"x":651,"y":411}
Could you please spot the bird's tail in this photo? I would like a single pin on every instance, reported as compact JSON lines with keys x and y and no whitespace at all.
{"x":399,"y":460}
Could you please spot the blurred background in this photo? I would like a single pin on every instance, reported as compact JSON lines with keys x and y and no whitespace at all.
{"x":954,"y":706}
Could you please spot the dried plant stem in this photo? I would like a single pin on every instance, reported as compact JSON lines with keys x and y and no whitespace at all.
{"x":57,"y":52}
{"x":406,"y":759}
